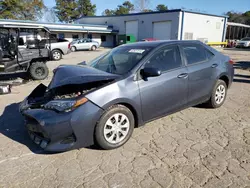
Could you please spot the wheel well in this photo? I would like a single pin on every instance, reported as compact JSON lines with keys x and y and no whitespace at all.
{"x":225,"y":79}
{"x":131,"y":108}
{"x":58,"y":50}
{"x":44,"y":60}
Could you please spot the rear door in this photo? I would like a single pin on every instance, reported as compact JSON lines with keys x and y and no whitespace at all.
{"x":167,"y":92}
{"x":201,"y":66}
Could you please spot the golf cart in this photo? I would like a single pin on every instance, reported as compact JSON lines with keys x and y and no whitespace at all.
{"x":24,"y":48}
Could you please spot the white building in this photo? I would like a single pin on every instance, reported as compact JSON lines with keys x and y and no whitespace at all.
{"x":104,"y":34}
{"x":172,"y":24}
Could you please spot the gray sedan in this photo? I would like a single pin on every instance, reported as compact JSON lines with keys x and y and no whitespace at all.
{"x":123,"y":89}
{"x":84,"y":44}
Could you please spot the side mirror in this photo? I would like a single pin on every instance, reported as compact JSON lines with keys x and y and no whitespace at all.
{"x":150,"y":72}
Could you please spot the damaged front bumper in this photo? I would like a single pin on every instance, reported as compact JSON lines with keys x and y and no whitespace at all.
{"x":61,"y":131}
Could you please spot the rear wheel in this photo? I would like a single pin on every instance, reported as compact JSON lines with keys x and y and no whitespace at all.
{"x":38,"y":71}
{"x":56,"y":55}
{"x":219,"y":94}
{"x":93,"y":48}
{"x":115,"y":127}
{"x":73,"y":48}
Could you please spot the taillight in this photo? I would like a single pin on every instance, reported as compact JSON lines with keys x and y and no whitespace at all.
{"x":69,"y":46}
{"x":231,"y":61}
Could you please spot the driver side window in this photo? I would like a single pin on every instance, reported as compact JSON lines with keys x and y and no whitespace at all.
{"x":166,"y":59}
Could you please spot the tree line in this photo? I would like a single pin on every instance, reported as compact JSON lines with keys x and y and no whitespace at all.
{"x":69,"y":10}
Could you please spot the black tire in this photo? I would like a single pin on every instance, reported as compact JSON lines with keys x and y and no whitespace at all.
{"x":38,"y":71}
{"x":99,"y":130}
{"x":56,"y":55}
{"x":73,"y":48}
{"x":93,"y":48}
{"x":212,"y":101}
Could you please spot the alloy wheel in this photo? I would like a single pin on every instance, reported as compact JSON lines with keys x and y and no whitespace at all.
{"x":220,"y":94}
{"x":56,"y":55}
{"x":116,"y":128}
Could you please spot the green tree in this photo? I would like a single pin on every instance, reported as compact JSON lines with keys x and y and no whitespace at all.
{"x":66,"y":10}
{"x":161,"y":7}
{"x":108,"y":12}
{"x":125,"y":8}
{"x":247,"y":17}
{"x":86,"y":8}
{"x":237,"y":17}
{"x":147,"y":10}
{"x":21,"y":10}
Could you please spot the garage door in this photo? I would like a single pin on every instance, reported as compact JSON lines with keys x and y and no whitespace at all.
{"x":132,"y":28}
{"x":162,"y":30}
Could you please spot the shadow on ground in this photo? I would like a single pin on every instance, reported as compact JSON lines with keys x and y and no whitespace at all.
{"x":242,"y":81}
{"x":245,"y":65}
{"x":12,"y":126}
{"x":242,"y":78}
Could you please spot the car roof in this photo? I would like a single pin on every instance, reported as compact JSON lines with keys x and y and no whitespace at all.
{"x":154,"y":44}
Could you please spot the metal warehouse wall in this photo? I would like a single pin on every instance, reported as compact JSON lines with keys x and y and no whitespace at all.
{"x":199,"y":27}
{"x":145,"y":22}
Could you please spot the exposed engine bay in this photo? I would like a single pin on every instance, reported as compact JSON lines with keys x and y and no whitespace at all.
{"x":75,"y":90}
{"x":41,"y":95}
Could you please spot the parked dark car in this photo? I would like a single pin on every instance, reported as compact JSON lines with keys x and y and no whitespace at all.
{"x":122,"y":89}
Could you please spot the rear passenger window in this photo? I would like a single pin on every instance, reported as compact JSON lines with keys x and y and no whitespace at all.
{"x":194,"y":53}
{"x":166,"y":59}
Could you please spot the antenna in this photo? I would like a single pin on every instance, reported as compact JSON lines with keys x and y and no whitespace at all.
{"x":141,"y":5}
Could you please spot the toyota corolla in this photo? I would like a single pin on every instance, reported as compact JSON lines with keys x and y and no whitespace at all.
{"x":101,"y":103}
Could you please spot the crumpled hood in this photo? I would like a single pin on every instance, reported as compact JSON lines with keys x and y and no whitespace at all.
{"x":75,"y":74}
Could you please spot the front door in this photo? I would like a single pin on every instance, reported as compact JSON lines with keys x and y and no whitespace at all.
{"x":168,"y":92}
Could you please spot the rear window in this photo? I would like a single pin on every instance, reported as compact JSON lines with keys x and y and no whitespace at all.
{"x":196,"y":53}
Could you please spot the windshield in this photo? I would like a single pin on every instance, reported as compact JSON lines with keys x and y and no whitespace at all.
{"x":120,"y":60}
{"x":245,"y":39}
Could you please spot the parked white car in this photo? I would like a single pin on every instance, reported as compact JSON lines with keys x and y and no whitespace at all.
{"x":243,"y":43}
{"x":84,"y":44}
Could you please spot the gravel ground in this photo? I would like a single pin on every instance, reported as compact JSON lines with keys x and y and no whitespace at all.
{"x":196,"y":147}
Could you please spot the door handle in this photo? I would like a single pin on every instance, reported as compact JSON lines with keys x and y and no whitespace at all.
{"x":214,"y":65}
{"x":183,"y":75}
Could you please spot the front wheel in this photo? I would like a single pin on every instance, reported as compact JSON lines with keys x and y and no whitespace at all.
{"x":115,"y":127}
{"x":38,"y":71}
{"x":219,"y":94}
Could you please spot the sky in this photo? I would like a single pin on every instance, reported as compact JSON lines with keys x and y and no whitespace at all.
{"x":207,"y":6}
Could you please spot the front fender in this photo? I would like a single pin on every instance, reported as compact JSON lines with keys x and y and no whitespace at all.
{"x":122,"y":92}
